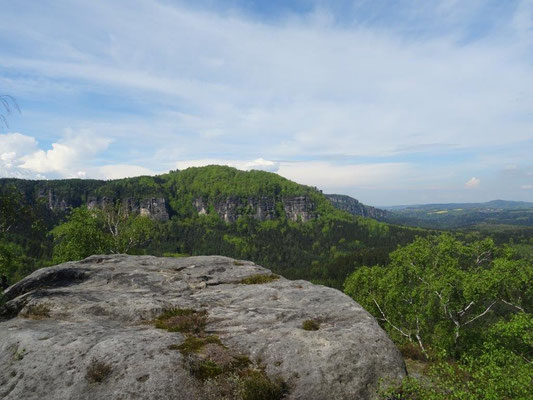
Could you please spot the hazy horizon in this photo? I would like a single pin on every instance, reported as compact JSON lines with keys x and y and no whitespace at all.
{"x":414,"y":103}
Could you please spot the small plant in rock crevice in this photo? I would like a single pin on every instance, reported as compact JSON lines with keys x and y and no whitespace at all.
{"x":98,"y":371}
{"x":259,"y":279}
{"x":311,"y":325}
{"x":184,"y":320}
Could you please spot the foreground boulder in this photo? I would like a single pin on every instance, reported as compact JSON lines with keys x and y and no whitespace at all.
{"x":142,"y":327}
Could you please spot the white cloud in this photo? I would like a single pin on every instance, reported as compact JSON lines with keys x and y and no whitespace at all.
{"x":214,"y":87}
{"x":73,"y":150}
{"x":325,"y":175}
{"x":306,"y":85}
{"x":21,"y":157}
{"x":246,"y":165}
{"x":526,"y":187}
{"x":117,"y":171}
{"x":329,"y":176}
{"x":472,"y":183}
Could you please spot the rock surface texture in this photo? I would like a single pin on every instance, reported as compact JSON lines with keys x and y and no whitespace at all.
{"x":261,"y":208}
{"x":85,"y":330}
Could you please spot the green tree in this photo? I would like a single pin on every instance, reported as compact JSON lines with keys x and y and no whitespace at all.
{"x":437,"y":289}
{"x":99,"y":231}
{"x":126,"y":230}
{"x":81,"y":236}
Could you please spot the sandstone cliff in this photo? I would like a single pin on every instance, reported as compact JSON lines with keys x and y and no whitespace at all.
{"x":354,"y":207}
{"x":93,"y":329}
{"x":230,"y":208}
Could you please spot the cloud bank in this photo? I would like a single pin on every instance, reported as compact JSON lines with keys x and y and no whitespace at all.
{"x":396,"y":106}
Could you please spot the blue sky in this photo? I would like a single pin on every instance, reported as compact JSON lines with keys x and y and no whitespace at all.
{"x":391,"y":102}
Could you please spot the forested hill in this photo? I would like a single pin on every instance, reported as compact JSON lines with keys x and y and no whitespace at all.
{"x":226,"y":191}
{"x":260,"y":216}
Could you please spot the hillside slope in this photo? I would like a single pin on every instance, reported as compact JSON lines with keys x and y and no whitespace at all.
{"x":253,"y":215}
{"x":226,"y":191}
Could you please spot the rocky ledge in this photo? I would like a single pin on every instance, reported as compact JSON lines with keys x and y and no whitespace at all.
{"x":142,"y":327}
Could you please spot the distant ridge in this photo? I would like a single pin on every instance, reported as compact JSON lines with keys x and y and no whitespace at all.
{"x":355,"y":207}
{"x":501,"y":204}
{"x":463,"y":215}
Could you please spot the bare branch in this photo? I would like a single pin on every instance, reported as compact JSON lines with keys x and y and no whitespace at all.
{"x":482,"y":314}
{"x":390,"y":323}
{"x":513,"y":305}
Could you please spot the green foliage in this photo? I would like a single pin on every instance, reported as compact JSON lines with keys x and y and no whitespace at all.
{"x":440,"y":292}
{"x":81,"y":236}
{"x":466,"y":306}
{"x":111,"y":230}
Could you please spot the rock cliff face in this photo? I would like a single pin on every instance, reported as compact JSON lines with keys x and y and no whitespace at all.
{"x":354,"y":207}
{"x":57,"y":203}
{"x":154,"y":207}
{"x":261,"y":208}
{"x":85,"y":330}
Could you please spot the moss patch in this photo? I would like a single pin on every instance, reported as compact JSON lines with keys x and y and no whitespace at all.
{"x":184,"y":320}
{"x":257,"y":386}
{"x":259,"y":279}
{"x":311,"y":325}
{"x":194,"y":344}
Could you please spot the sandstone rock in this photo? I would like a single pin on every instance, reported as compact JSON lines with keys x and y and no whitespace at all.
{"x":299,"y":208}
{"x":354,"y":207}
{"x":61,"y":324}
{"x":153,"y":207}
{"x":263,"y":208}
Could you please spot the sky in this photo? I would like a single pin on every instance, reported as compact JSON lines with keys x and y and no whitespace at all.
{"x":391,"y":102}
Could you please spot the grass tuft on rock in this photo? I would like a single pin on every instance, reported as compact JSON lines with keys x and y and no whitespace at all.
{"x":98,"y":371}
{"x":259,"y":279}
{"x":311,"y":325}
{"x":184,"y":320}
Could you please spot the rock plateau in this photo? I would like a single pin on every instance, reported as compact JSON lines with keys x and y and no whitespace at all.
{"x":60,"y":322}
